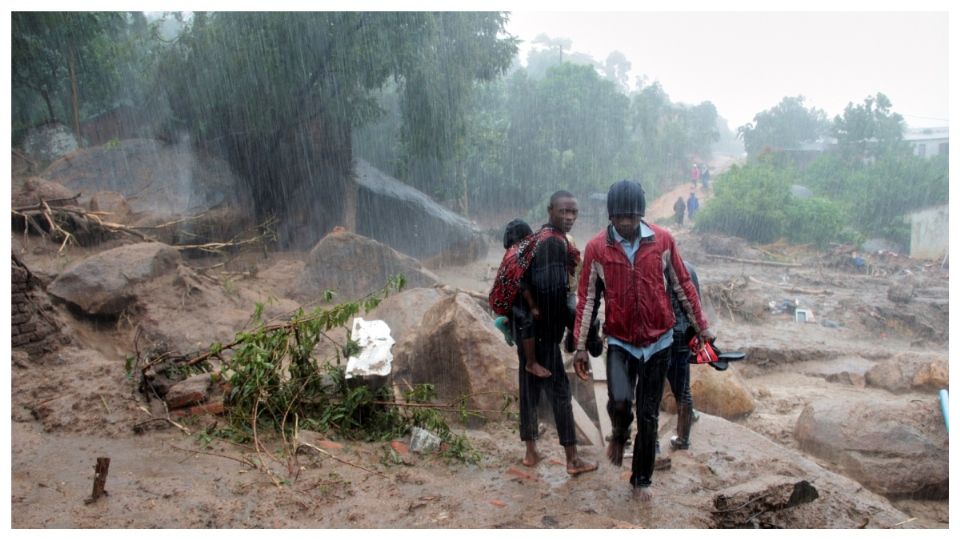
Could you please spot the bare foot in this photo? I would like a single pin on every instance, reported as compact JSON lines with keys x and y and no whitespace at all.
{"x":615,"y":453}
{"x":531,"y":459}
{"x":535,"y":369}
{"x":643,"y":494}
{"x":579,"y":466}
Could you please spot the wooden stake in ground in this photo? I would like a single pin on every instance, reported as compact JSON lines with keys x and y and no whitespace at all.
{"x":99,"y":479}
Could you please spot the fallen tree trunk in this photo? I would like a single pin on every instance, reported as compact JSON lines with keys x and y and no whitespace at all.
{"x":754,"y":261}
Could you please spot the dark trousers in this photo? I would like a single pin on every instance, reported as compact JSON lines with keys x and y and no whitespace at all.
{"x":678,"y":373}
{"x":557,"y":388}
{"x":628,"y":378}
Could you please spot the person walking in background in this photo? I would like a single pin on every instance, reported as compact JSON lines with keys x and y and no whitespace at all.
{"x":679,"y":208}
{"x":693,"y":204}
{"x":695,"y":175}
{"x":678,"y":374}
{"x":705,"y":177}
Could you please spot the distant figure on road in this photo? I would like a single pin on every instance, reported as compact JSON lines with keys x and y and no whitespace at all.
{"x":695,"y":175}
{"x":679,"y":208}
{"x":692,"y":204}
{"x":705,"y":177}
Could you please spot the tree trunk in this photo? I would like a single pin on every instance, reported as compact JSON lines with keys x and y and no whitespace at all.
{"x":46,"y":98}
{"x":74,"y":100}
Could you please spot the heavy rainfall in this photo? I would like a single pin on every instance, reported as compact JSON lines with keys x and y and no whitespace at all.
{"x":259,"y":278}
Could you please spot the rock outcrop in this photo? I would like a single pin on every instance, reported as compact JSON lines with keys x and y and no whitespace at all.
{"x":409,"y":221}
{"x":104,"y":283}
{"x":910,"y":371}
{"x":897,"y":447}
{"x":458,"y":350}
{"x":353,"y":266}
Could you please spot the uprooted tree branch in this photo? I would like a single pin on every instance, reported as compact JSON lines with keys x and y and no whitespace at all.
{"x":275,"y":381}
{"x":74,"y":225}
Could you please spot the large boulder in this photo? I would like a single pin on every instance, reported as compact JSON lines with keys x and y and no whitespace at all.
{"x":895,"y":447}
{"x":910,"y":371}
{"x":153,"y":176}
{"x":457,"y":349}
{"x":411,"y":222}
{"x":723,"y":394}
{"x":49,"y":142}
{"x":404,"y":311}
{"x":353,"y":266}
{"x":104,"y":283}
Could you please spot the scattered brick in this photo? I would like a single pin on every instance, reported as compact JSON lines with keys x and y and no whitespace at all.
{"x":400,"y":447}
{"x":498,"y":503}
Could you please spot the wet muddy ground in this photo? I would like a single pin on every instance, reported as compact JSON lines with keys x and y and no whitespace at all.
{"x":77,"y":405}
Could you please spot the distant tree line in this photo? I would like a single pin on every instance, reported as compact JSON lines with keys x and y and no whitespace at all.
{"x":439,"y":100}
{"x":863,"y":176}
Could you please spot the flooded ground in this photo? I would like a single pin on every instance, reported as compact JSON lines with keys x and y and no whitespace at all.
{"x":79,"y":404}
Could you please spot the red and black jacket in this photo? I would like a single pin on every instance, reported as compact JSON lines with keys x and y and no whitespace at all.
{"x":636,"y":297}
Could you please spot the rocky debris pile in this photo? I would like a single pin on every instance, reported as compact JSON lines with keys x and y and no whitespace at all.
{"x":896,"y":448}
{"x":353,"y":266}
{"x":736,"y":299}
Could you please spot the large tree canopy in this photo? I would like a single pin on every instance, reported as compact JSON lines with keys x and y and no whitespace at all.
{"x":280,"y":93}
{"x":56,"y":56}
{"x":784,"y":127}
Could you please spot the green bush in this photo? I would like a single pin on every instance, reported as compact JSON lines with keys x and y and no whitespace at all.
{"x":751,"y":202}
{"x":814,"y":221}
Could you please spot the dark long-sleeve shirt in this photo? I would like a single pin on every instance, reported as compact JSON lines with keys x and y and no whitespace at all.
{"x":548,"y":281}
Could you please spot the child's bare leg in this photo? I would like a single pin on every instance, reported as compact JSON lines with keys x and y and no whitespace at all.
{"x":531,"y":365}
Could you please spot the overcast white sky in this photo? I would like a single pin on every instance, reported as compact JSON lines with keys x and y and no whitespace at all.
{"x":746,"y":62}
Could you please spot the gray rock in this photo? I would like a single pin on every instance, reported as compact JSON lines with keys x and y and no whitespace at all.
{"x":409,"y":221}
{"x":353,"y":266}
{"x":895,"y":447}
{"x":104,"y":283}
{"x":457,"y":349}
{"x":153,"y":176}
{"x":49,"y":142}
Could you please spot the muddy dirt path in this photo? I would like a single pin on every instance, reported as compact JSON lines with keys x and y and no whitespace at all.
{"x":79,"y":404}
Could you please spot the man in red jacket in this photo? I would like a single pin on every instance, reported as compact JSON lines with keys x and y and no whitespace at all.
{"x":631,"y":265}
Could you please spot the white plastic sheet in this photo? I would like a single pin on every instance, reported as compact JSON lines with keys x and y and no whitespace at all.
{"x":375,"y":342}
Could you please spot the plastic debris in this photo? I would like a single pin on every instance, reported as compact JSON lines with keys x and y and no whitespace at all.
{"x":375,"y":356}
